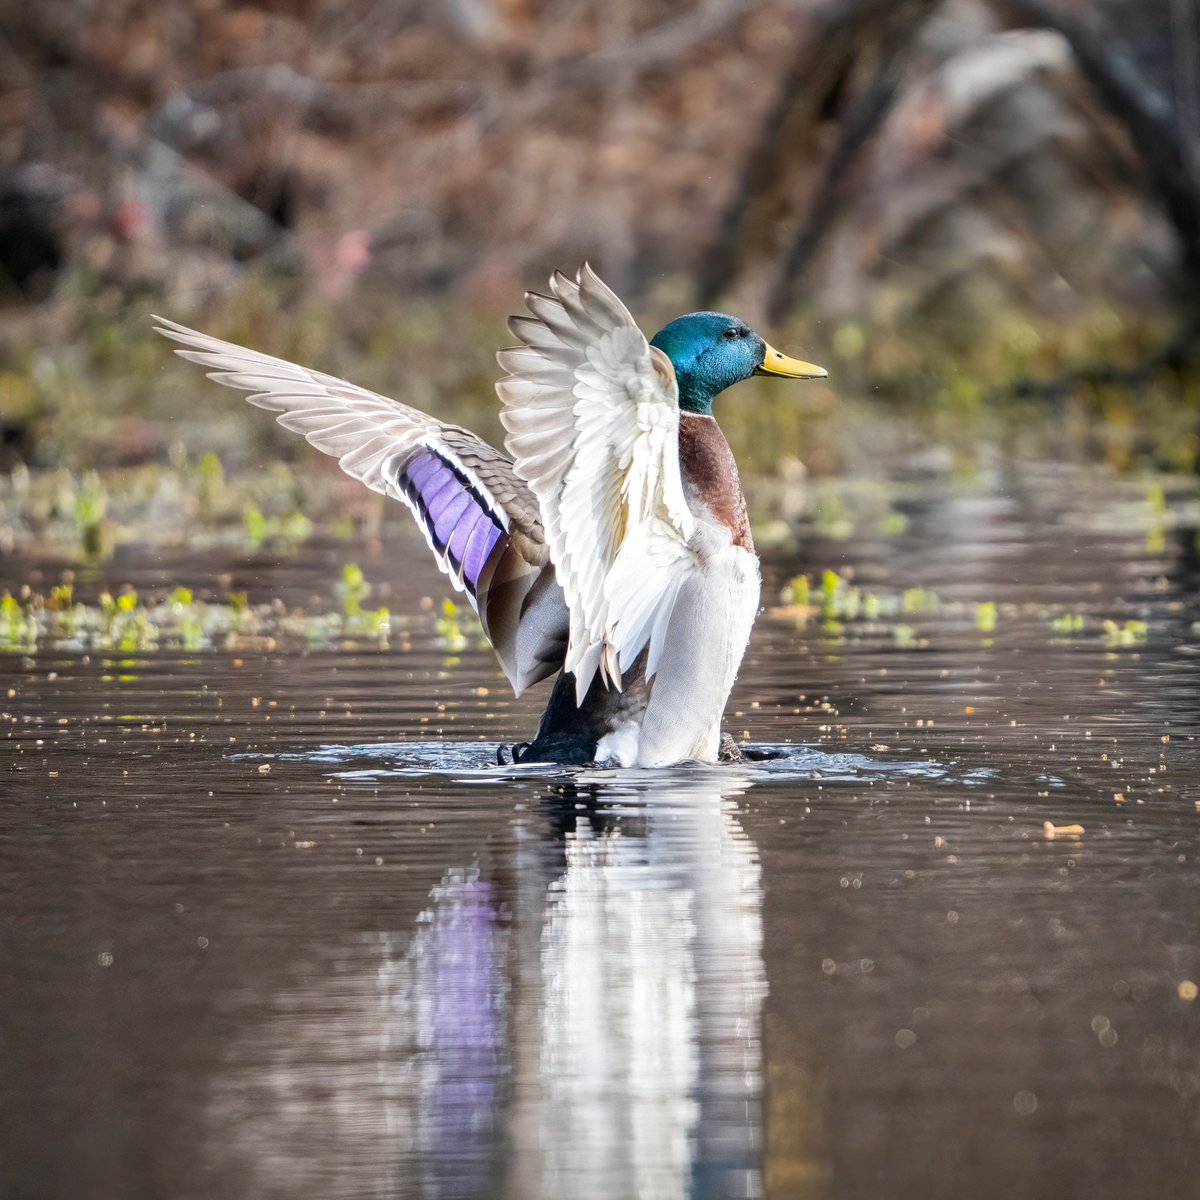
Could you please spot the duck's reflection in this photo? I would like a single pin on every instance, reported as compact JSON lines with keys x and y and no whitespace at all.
{"x":644,"y":1073}
{"x":443,"y":1039}
{"x":585,"y":1022}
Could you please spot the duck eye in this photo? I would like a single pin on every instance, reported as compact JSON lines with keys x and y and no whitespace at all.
{"x":731,"y":334}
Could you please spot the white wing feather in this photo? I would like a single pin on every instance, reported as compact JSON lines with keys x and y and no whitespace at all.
{"x":592,"y":414}
{"x":367,"y":433}
{"x":372,"y":437}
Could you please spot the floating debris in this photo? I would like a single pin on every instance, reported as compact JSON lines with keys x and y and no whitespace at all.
{"x":1051,"y":831}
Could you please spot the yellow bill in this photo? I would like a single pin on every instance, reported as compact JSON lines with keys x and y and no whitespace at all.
{"x":790,"y":368}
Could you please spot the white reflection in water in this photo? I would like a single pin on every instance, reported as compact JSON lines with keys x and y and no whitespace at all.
{"x":586,"y":1025}
{"x":651,"y":989}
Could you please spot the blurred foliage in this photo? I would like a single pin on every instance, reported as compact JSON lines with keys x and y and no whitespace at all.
{"x":110,"y":395}
{"x":952,"y":205}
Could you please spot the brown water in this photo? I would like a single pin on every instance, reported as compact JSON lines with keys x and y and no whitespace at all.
{"x":273,"y":925}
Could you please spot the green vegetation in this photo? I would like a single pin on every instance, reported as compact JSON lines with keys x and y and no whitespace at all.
{"x":1068,"y":625}
{"x":284,"y":532}
{"x":101,"y":389}
{"x":450,"y":626}
{"x":1124,"y":636}
{"x":838,"y":600}
{"x":91,"y":503}
{"x":360,"y":621}
{"x":985,"y":617}
{"x":127,"y":621}
{"x":911,"y":617}
{"x":87,"y":516}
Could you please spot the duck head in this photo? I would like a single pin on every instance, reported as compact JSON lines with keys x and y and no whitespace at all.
{"x":712,"y":351}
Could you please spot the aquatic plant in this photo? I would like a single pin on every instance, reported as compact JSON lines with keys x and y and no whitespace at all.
{"x":844,"y":610}
{"x":188,"y":622}
{"x":838,"y":601}
{"x":1068,"y":624}
{"x":125,"y":621}
{"x":354,"y":589}
{"x":832,"y":519}
{"x":18,"y":630}
{"x":985,"y":617}
{"x":210,"y":485}
{"x":91,"y":504}
{"x":449,"y":626}
{"x":919,"y":601}
{"x":1123,"y":636}
{"x":287,"y":532}
{"x":126,"y":626}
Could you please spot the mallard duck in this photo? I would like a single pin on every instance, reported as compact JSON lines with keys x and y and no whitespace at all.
{"x":610,"y":545}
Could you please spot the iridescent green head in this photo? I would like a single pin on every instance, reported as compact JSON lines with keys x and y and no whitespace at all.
{"x":712,"y":351}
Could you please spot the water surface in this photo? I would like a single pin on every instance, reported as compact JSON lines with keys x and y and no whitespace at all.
{"x":275,"y":924}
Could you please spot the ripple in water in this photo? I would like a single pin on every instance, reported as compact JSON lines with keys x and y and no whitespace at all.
{"x":475,"y":762}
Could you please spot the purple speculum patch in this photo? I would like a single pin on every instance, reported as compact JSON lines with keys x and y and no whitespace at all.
{"x":454,"y":514}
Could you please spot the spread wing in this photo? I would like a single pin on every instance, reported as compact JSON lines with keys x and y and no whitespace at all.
{"x":592,"y":414}
{"x":479,"y":517}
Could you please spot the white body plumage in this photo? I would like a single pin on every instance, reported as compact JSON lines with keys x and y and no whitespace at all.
{"x":705,"y":641}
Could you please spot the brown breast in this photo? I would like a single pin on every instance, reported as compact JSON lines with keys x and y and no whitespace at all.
{"x":710,"y":476}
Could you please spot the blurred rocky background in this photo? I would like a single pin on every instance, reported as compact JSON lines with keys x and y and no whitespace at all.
{"x":975,"y":210}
